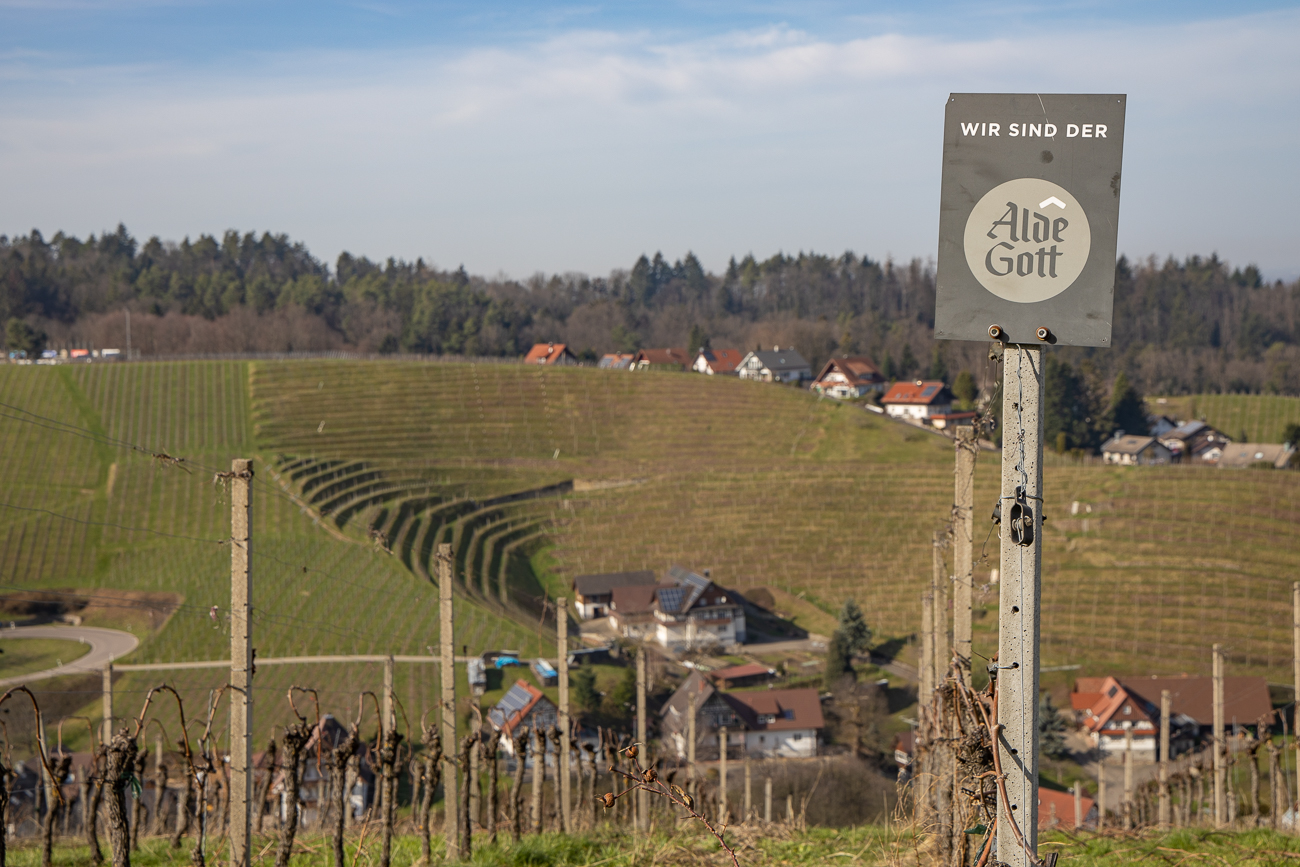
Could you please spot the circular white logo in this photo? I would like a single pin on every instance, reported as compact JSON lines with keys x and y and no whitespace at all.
{"x":1027,"y":240}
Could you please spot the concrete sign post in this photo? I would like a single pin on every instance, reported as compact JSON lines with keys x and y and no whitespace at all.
{"x":1029,"y":212}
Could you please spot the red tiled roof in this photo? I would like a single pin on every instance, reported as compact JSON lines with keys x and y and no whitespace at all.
{"x":520,"y":715}
{"x":918,"y":392}
{"x":1064,"y":804}
{"x":1084,"y":700}
{"x":546,"y":353}
{"x":723,"y":360}
{"x":857,"y":369}
{"x":749,"y":669}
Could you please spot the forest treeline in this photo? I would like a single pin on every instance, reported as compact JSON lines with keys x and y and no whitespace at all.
{"x":1190,"y":326}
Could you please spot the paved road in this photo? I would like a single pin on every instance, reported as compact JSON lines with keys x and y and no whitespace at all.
{"x":105,"y":646}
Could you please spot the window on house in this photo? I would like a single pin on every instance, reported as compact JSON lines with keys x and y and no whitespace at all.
{"x":798,"y":736}
{"x":1128,"y":709}
{"x":765,"y":719}
{"x":788,"y":713}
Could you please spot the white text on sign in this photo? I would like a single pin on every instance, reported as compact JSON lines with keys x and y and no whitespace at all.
{"x":1033,"y":130}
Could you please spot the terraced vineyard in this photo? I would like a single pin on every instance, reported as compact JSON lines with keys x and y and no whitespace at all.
{"x":364,"y":467}
{"x":1262,"y":417}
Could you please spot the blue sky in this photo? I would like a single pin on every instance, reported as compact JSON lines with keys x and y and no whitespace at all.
{"x":516,"y":138}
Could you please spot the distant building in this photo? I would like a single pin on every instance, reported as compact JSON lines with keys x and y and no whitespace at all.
{"x":687,"y":612}
{"x":749,"y":674}
{"x":923,"y":401}
{"x":771,"y":723}
{"x":1109,"y":708}
{"x":592,"y":594}
{"x":779,"y":365}
{"x":1128,"y":450}
{"x":616,"y":361}
{"x":550,"y":353}
{"x":1194,"y":439}
{"x":522,"y":706}
{"x":1159,"y":425}
{"x":1236,"y":456}
{"x":850,"y":377}
{"x":660,"y":359}
{"x":713,"y":362}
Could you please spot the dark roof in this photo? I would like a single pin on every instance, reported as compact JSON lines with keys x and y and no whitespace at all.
{"x":789,"y":708}
{"x":605,"y":582}
{"x":690,"y":586}
{"x":1245,"y":699}
{"x":634,"y":599}
{"x":1186,"y":430}
{"x":515,"y":705}
{"x":681,"y":699}
{"x":1129,"y":444}
{"x":671,"y":355}
{"x":782,"y":359}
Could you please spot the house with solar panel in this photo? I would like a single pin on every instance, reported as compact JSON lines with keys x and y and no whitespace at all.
{"x":521,"y":707}
{"x":686,"y":612}
{"x":927,"y":402}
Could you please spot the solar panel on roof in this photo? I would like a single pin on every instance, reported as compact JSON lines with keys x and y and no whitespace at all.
{"x":929,"y":390}
{"x":670,"y":598}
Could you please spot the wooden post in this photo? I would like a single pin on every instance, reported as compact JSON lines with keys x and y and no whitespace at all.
{"x":925,"y":760}
{"x":1220,"y":768}
{"x":1165,"y":710}
{"x":241,"y":663}
{"x":767,"y":800}
{"x":939,"y":585}
{"x":1078,"y":805}
{"x":537,"y":746}
{"x":108,"y":703}
{"x":749,"y":804}
{"x":1128,"y":779}
{"x":722,"y":776}
{"x":562,"y":649}
{"x":1101,"y":792}
{"x":387,"y":724}
{"x":963,"y":547}
{"x":927,"y":651}
{"x":447,"y":664}
{"x":690,"y":743}
{"x":1021,"y":591}
{"x":642,"y":797}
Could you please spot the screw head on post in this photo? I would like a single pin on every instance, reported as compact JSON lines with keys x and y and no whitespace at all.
{"x":997,"y":333}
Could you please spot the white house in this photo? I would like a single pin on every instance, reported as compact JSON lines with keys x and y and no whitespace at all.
{"x":688,"y":612}
{"x":850,"y":377}
{"x":773,"y":723}
{"x":592,"y":594}
{"x":918,"y":401}
{"x":779,"y":365}
{"x":1130,"y":450}
{"x":712,"y":362}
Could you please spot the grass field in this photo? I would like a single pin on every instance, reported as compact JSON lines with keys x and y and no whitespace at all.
{"x":24,"y":655}
{"x":1261,"y":417}
{"x":871,"y":846}
{"x":364,"y":467}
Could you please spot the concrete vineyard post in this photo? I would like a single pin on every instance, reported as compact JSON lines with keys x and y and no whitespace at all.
{"x":1165,"y":709}
{"x":722,"y":775}
{"x":1295,"y":652}
{"x":1078,"y":804}
{"x":767,"y":801}
{"x":963,"y":548}
{"x":446,"y":640}
{"x":108,"y":702}
{"x":942,"y":656}
{"x":241,"y":663}
{"x":1021,"y":590}
{"x":690,"y":745}
{"x":1128,"y":779}
{"x":562,"y":649}
{"x":749,"y":804}
{"x":1220,"y":768}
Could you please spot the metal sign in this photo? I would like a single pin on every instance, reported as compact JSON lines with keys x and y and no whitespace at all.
{"x":1028,"y":217}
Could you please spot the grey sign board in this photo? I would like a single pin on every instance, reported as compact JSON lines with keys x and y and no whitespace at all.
{"x":1028,"y":217}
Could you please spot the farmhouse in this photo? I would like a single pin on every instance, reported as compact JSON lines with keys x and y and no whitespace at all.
{"x":1193,"y":439}
{"x":522,"y":706}
{"x":749,"y":674}
{"x":1130,"y":450}
{"x":844,"y":378}
{"x":615,"y":361}
{"x":592,"y":594}
{"x":771,"y":723}
{"x":660,"y":359}
{"x":1109,"y":707}
{"x":550,"y":353}
{"x":1236,"y":456}
{"x":920,"y":401}
{"x":688,"y":612}
{"x":717,"y":361}
{"x":779,"y":365}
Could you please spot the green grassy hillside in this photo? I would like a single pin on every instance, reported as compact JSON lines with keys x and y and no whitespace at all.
{"x":1261,"y":417}
{"x":536,"y":475}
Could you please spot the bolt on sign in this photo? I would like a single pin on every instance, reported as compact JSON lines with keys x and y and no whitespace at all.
{"x":1028,"y":217}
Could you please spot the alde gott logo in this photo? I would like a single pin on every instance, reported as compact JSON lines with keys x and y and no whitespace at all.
{"x":1027,"y":240}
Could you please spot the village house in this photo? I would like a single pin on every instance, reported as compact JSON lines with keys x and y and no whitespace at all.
{"x":522,"y":706}
{"x":1238,"y":456}
{"x":923,"y":401}
{"x":1130,"y":450}
{"x":592,"y":594}
{"x":770,"y":723}
{"x":1159,"y":425}
{"x":660,"y":359}
{"x":749,"y":674}
{"x":615,"y":361}
{"x":687,"y":612}
{"x":779,"y":365}
{"x":850,"y":377}
{"x":1108,"y":708}
{"x":1194,"y":439}
{"x":550,"y":353}
{"x":713,"y":362}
